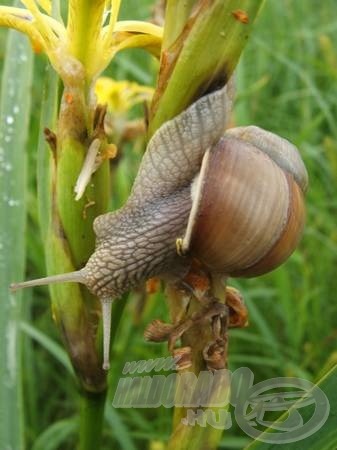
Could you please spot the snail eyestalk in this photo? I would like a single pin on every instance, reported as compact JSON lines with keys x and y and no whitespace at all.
{"x":79,"y":276}
{"x":106,"y":316}
{"x":71,"y":277}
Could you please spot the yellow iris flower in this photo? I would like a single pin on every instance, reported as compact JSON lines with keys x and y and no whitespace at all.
{"x":89,"y":40}
{"x":121,"y":96}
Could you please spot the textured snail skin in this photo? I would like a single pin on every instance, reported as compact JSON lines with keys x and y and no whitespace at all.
{"x":141,"y":245}
{"x":138,"y":241}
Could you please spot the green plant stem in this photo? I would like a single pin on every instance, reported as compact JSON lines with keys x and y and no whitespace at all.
{"x":204,"y":59}
{"x":176,"y":15}
{"x":70,"y":242}
{"x":91,"y":420}
{"x":91,"y":409}
{"x":197,"y":338}
{"x":71,"y":239}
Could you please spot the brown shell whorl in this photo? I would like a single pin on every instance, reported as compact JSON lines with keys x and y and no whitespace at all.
{"x":248,"y":213}
{"x":289,"y":239}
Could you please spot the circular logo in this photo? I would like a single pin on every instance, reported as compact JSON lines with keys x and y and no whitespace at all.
{"x":252,"y":408}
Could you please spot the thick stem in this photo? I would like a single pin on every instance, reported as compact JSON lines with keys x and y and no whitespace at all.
{"x":71,"y":239}
{"x":197,"y":338}
{"x":91,"y":408}
{"x":176,"y":15}
{"x":203,"y":58}
{"x":91,"y":420}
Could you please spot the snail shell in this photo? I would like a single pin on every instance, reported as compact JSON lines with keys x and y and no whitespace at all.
{"x":248,"y":208}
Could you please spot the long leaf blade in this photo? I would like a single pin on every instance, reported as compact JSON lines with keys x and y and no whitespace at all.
{"x":14,"y":122}
{"x":324,"y":438}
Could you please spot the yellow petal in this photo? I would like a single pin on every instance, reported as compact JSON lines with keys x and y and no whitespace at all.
{"x":136,"y":26}
{"x":42,"y":24}
{"x":109,"y":29}
{"x":45,"y":5}
{"x":126,"y":28}
{"x":21,"y":21}
{"x":120,"y":96}
{"x":128,"y":34}
{"x":84,"y":29}
{"x":145,"y":41}
{"x":27,"y":16}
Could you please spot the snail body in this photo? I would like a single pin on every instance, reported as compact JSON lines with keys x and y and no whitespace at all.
{"x":233,"y":200}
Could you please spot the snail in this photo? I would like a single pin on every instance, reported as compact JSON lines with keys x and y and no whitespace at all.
{"x":233,"y":200}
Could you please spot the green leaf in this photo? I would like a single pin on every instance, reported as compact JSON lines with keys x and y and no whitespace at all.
{"x":176,"y":16}
{"x":203,"y":57}
{"x":48,"y":344}
{"x":14,"y":122}
{"x":115,"y":421}
{"x":233,"y":442}
{"x":323,"y":439}
{"x":49,"y":109}
{"x":55,"y":435}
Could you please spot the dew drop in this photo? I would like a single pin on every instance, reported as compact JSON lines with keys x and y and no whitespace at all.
{"x":12,"y":202}
{"x":7,"y":167}
{"x":9,"y":120}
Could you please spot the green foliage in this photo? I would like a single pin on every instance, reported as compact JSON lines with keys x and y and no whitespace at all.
{"x":213,"y":63}
{"x":14,"y":122}
{"x":326,"y":437}
{"x":286,"y":82}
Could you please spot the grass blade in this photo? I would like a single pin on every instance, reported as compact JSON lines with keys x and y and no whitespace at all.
{"x":48,"y":120}
{"x":116,"y":422}
{"x":49,"y":344}
{"x":14,"y":122}
{"x":323,"y":439}
{"x":56,"y":435}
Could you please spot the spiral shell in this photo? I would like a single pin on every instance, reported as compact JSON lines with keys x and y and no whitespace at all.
{"x":248,"y":207}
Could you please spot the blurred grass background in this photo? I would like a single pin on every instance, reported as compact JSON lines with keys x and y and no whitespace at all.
{"x":286,"y":83}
